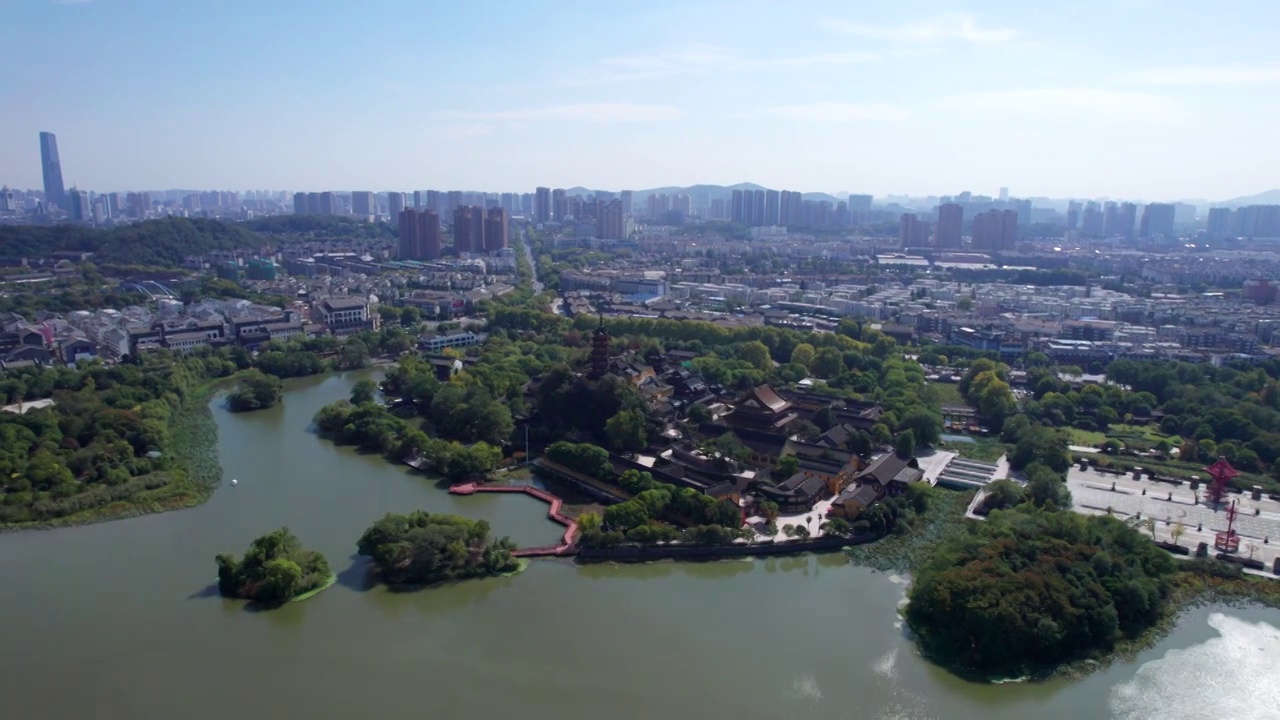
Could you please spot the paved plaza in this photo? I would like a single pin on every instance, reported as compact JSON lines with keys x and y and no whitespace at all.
{"x":1258,"y":521}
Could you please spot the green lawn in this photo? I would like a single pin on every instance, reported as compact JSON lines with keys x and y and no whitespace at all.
{"x":940,"y":394}
{"x":982,"y":449}
{"x":1088,"y":438}
{"x":1142,"y":436}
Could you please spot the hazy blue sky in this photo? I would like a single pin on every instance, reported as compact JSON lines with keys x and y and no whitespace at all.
{"x":1148,"y":99}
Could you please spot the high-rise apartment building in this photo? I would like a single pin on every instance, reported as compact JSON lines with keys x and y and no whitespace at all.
{"x":139,"y":205}
{"x":757,"y":207}
{"x":495,"y":229}
{"x":363,"y":204}
{"x":1073,"y":215}
{"x":559,"y":205}
{"x":419,"y":234}
{"x":1128,"y":219}
{"x":737,"y":208}
{"x":417,"y":198}
{"x":610,"y":224}
{"x":468,"y":229}
{"x":328,"y":204}
{"x":626,"y":197}
{"x":55,"y":194}
{"x":772,"y":208}
{"x":950,"y":226}
{"x":1094,"y":223}
{"x":911,"y":231}
{"x":1157,"y":220}
{"x":995,"y":230}
{"x":1219,"y":223}
{"x":395,"y":204}
{"x":542,"y":205}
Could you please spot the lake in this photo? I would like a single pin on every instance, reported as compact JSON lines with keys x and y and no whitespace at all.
{"x":120,"y":620}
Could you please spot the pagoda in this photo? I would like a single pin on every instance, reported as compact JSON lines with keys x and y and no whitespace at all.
{"x":599,"y":351}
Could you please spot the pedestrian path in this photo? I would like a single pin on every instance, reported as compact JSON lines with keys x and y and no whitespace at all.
{"x":566,"y":546}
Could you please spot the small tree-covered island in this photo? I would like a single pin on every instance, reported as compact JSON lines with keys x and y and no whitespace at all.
{"x":424,"y":548}
{"x":1031,"y":589}
{"x":257,"y":391}
{"x":276,"y":569}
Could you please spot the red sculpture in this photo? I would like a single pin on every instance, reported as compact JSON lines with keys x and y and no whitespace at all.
{"x":1221,"y":472}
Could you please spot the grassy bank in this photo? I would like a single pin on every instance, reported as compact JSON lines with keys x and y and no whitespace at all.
{"x":333,"y":578}
{"x":191,"y":480}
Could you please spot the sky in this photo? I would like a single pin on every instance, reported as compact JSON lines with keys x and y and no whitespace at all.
{"x":1136,"y":99}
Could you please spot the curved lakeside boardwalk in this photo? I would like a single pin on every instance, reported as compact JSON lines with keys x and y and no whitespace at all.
{"x":566,"y":546}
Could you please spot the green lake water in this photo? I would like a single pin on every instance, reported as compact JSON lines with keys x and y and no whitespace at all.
{"x":120,"y":620}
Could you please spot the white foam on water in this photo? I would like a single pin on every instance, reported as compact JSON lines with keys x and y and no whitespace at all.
{"x":887,"y":663}
{"x":805,"y":687}
{"x":1235,"y":675}
{"x":897,"y":579}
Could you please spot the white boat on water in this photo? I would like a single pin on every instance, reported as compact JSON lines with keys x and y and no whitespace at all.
{"x":234,"y":482}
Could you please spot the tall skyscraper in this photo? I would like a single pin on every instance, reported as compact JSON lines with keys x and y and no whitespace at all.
{"x":757,"y":207}
{"x":626,"y":197}
{"x":395,"y":204}
{"x":495,"y":229}
{"x":542,"y":205}
{"x":417,"y":198}
{"x":1157,"y":220}
{"x":55,"y":194}
{"x":363,"y":204}
{"x":950,"y":225}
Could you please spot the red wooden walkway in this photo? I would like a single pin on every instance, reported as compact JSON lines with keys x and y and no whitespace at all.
{"x":566,"y":546}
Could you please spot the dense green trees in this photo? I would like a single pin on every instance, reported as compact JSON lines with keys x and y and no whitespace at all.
{"x":627,"y":431}
{"x":1030,"y":589}
{"x":363,"y":391}
{"x":986,"y":387}
{"x":373,"y":428}
{"x":106,"y":439}
{"x":257,"y":391}
{"x":656,"y":512}
{"x":588,"y":459}
{"x":425,"y":548}
{"x":276,"y":568}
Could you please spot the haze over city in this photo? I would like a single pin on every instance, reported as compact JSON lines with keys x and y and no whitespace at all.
{"x":1140,"y":100}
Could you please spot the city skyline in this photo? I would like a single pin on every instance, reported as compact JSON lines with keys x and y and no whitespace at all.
{"x":1053,"y":103}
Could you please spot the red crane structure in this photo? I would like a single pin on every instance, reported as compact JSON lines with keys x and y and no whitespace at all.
{"x":1221,"y":472}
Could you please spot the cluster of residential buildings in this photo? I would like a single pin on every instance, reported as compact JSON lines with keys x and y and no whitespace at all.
{"x":112,"y":334}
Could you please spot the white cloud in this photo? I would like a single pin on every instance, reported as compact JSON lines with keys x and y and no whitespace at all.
{"x":463,"y":131}
{"x":702,"y":60}
{"x":832,"y":112}
{"x":584,"y":112}
{"x":1208,"y":75}
{"x":1065,"y":102}
{"x":939,"y":28}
